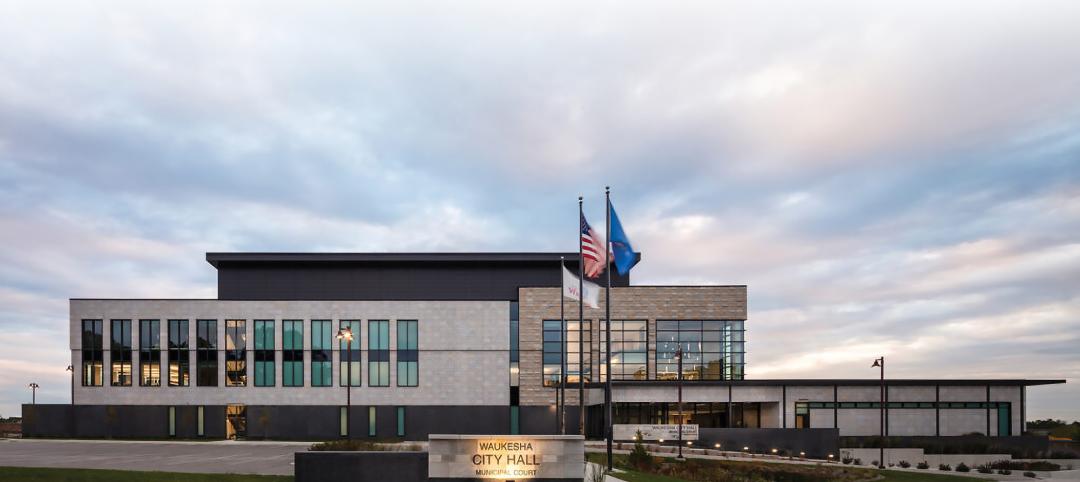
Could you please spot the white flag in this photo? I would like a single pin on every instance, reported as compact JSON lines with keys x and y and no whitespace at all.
{"x":570,"y":289}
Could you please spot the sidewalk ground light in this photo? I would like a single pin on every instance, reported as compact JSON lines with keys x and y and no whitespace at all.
{"x":774,"y":451}
{"x":717,"y":445}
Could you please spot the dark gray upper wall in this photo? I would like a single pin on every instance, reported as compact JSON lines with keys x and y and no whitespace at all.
{"x":387,"y":276}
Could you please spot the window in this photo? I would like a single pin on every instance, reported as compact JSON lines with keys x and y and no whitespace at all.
{"x":235,"y":353}
{"x":93,"y":353}
{"x":264,"y":353}
{"x":552,"y":347}
{"x":515,"y":420}
{"x":343,"y":421}
{"x":712,"y":349}
{"x":172,"y":421}
{"x":407,"y":354}
{"x":400,"y":421}
{"x":292,"y":353}
{"x":149,"y":353}
{"x":321,"y":346}
{"x":350,"y":355}
{"x":371,"y":422}
{"x":120,"y":353}
{"x":802,"y":414}
{"x":206,"y":355}
{"x":202,"y":422}
{"x":629,"y":343}
{"x":378,"y":353}
{"x":179,"y":361}
{"x":575,"y":369}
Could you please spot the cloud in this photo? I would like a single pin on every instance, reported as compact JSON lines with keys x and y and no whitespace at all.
{"x":899,"y":179}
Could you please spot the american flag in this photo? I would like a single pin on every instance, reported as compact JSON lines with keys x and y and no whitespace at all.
{"x":591,"y":250}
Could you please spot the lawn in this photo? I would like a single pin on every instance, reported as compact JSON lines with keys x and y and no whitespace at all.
{"x":698,"y":470}
{"x":34,"y":474}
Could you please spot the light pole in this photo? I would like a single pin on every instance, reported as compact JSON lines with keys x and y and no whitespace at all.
{"x":72,"y":370}
{"x":346,"y":334}
{"x":678,"y":383}
{"x":33,"y":392}
{"x":880,"y":363}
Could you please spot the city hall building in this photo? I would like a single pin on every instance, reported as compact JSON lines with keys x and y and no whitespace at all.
{"x":459,"y":343}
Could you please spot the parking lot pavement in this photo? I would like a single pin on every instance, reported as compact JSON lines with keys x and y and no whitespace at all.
{"x":266,"y":458}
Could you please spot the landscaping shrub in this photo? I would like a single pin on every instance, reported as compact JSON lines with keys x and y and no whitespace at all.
{"x":985,"y":469}
{"x":962,"y":467}
{"x":905,"y":464}
{"x":944,"y":467}
{"x":1005,"y":472}
{"x":1029,"y":474}
{"x":639,"y":458}
{"x":923,"y":465}
{"x":1018,"y":465}
{"x":847,"y":460}
{"x":857,"y":462}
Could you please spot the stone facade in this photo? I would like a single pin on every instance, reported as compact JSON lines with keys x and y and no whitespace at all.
{"x":649,"y":303}
{"x":463,"y":346}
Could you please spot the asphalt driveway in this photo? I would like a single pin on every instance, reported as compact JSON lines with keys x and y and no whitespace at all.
{"x":265,"y":458}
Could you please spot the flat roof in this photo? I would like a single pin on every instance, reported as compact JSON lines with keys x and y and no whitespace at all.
{"x":841,"y":381}
{"x":215,"y":258}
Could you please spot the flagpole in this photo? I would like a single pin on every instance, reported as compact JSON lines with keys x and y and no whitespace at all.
{"x":581,"y":324}
{"x":562,"y":328}
{"x":608,"y":422}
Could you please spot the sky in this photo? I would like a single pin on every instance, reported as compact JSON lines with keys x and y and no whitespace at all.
{"x":888,"y":178}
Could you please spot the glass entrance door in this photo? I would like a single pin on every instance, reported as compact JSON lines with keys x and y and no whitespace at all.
{"x":235,"y":421}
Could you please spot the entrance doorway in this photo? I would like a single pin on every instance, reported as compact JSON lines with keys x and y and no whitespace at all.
{"x":235,"y":421}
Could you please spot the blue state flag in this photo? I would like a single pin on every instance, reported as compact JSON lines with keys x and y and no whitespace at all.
{"x":625,"y":258}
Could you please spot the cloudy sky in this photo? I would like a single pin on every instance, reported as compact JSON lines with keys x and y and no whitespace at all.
{"x":898,"y":179}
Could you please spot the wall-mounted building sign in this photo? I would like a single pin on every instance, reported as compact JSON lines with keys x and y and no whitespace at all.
{"x":655,"y":432}
{"x":506,"y":457}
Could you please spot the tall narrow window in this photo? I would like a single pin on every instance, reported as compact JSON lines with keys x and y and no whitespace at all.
{"x":93,"y":353}
{"x":150,"y":353}
{"x":206,"y":355}
{"x":407,"y":354}
{"x":400,"y":421}
{"x":235,"y":353}
{"x":343,"y":421}
{"x":172,"y":421}
{"x":553,"y":350}
{"x":179,"y":360}
{"x":264,"y":353}
{"x":321,"y":355}
{"x":371,"y":422}
{"x":202,"y":422}
{"x":120,"y":353}
{"x":378,"y":353}
{"x":349,"y":356}
{"x":292,"y":353}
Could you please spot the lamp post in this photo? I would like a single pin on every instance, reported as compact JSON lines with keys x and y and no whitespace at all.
{"x":880,"y":363}
{"x":346,"y":334}
{"x":72,"y":370}
{"x":678,"y":383}
{"x":33,"y":392}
